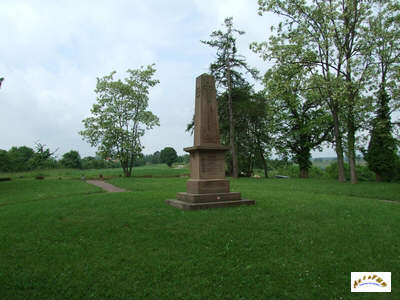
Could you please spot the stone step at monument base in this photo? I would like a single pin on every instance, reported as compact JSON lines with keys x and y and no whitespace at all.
{"x":207,"y":186}
{"x":204,"y":198}
{"x":194,"y":206}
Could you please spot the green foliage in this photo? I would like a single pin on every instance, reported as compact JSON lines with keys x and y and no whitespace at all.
{"x":384,"y":30}
{"x":252,"y":128}
{"x":226,"y":70}
{"x":382,"y":148}
{"x":155,"y":158}
{"x":331,"y":171}
{"x":301,"y":122}
{"x":19,"y":159}
{"x":293,"y":171}
{"x":24,"y":158}
{"x":4,"y":161}
{"x":397,"y":173}
{"x":228,"y":63}
{"x":384,"y":33}
{"x":185,"y":159}
{"x":72,"y":160}
{"x":119,"y":118}
{"x":168,"y":155}
{"x":50,"y":163}
{"x":43,"y":157}
{"x":363,"y":173}
{"x":90,"y":162}
{"x":347,"y":43}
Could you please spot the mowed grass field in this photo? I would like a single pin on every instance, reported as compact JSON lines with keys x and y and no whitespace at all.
{"x":65,"y":239}
{"x":160,"y":170}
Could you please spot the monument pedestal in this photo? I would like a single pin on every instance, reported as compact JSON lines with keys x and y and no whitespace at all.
{"x":207,"y":186}
{"x":192,"y":206}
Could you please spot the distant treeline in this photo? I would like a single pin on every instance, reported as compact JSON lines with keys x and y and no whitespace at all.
{"x":156,"y":158}
{"x":24,"y":158}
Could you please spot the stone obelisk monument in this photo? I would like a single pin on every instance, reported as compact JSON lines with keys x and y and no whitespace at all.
{"x":207,"y":186}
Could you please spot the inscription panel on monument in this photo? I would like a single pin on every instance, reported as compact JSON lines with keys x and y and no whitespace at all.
{"x":212,"y":165}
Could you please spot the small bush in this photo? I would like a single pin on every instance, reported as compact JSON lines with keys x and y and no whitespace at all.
{"x":331,"y":171}
{"x":315,"y":172}
{"x":363,"y":173}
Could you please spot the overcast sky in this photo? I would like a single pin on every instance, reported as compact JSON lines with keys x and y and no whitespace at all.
{"x":52,"y":52}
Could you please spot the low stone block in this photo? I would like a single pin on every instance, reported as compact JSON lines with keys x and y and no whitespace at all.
{"x":207,"y":186}
{"x":194,"y":206}
{"x":204,"y":198}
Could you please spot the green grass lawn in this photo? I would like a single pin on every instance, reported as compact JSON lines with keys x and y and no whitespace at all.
{"x":158,"y":170}
{"x":64,"y":239}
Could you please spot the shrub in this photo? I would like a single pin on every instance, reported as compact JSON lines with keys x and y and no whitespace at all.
{"x":331,"y":171}
{"x":363,"y":173}
{"x":315,"y":172}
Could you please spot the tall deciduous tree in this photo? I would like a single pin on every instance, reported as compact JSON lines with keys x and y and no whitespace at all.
{"x":120,"y":116}
{"x":252,"y":127}
{"x":301,"y":121}
{"x":226,"y":70}
{"x":382,"y":149}
{"x":330,"y":32}
{"x":384,"y":31}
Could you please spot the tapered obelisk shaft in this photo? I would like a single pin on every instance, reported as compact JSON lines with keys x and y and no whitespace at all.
{"x":207,"y":186}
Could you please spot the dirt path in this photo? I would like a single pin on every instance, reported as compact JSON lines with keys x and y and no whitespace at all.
{"x":390,"y":201}
{"x":106,"y":186}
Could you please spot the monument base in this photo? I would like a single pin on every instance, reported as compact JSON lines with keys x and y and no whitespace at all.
{"x":204,"y":198}
{"x":193,"y":206}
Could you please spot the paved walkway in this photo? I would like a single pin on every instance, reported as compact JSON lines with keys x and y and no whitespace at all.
{"x":106,"y":186}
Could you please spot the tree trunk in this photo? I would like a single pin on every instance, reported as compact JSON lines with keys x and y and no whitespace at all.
{"x":235,"y":164}
{"x":252,"y":164}
{"x":129,"y":171}
{"x":350,"y":29}
{"x":338,"y":146}
{"x":351,"y":128}
{"x":378,"y":177}
{"x":303,"y":172}
{"x":129,"y":166}
{"x":125,"y":167}
{"x":303,"y":159}
{"x":264,"y":162}
{"x":351,"y":150}
{"x":125,"y":170}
